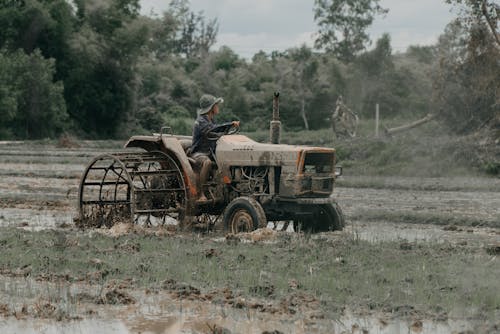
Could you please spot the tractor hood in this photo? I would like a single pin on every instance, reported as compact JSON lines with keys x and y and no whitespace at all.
{"x":239,"y":150}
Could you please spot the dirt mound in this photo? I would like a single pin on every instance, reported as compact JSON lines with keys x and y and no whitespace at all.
{"x":259,"y":235}
{"x":264,"y":299}
{"x":121,"y":229}
{"x":113,"y":296}
{"x":67,"y":141}
{"x":5,"y":310}
{"x":116,"y":297}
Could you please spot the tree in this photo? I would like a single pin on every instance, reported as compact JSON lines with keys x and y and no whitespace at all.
{"x":35,"y":24}
{"x":100,"y":82}
{"x":31,"y":103}
{"x":195,"y":36}
{"x":9,"y":94}
{"x":304,"y":74}
{"x":378,"y":60}
{"x":343,"y":23}
{"x":485,"y":12}
{"x":466,"y":84}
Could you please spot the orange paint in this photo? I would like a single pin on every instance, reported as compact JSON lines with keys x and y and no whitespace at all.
{"x":192,"y":189}
{"x":298,"y":163}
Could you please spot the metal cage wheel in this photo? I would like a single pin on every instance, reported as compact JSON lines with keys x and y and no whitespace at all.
{"x":138,"y":187}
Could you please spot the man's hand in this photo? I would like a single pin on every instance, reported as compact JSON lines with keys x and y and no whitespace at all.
{"x":236,"y":124}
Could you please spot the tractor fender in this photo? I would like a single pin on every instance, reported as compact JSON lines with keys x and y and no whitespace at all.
{"x":172,"y":146}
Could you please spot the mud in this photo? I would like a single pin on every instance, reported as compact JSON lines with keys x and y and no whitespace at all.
{"x":38,"y":190}
{"x":196,"y":320}
{"x":183,"y":309}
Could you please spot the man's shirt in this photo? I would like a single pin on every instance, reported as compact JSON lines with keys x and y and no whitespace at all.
{"x":202,"y":126}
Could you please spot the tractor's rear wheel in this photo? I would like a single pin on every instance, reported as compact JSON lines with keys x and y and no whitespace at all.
{"x":243,"y":214}
{"x":144,"y":188}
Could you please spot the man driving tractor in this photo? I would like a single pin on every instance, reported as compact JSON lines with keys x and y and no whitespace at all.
{"x":205,"y":134}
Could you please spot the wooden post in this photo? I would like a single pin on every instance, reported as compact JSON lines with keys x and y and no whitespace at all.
{"x":376,"y":120}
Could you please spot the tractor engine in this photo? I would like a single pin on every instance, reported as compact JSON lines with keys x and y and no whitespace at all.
{"x":250,"y":180}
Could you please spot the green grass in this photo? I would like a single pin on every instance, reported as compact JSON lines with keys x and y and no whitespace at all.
{"x":340,"y":271}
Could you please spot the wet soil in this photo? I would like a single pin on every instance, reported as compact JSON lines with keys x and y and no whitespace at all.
{"x":38,"y":190}
{"x":435,"y":207}
{"x":180,"y":308}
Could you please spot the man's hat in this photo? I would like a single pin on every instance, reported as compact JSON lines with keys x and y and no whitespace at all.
{"x":207,"y":101}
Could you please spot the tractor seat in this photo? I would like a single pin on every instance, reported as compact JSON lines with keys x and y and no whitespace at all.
{"x":186,"y":144}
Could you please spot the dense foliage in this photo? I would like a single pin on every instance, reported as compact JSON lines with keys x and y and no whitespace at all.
{"x":467,"y":85}
{"x":99,"y":69}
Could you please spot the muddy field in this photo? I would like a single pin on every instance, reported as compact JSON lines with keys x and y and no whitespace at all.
{"x":423,"y":218}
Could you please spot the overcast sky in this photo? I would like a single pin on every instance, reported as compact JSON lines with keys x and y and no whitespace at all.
{"x":247,"y":26}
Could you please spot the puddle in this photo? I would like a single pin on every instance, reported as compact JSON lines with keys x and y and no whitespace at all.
{"x":35,"y":220}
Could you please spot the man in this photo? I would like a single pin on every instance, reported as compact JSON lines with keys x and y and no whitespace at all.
{"x":205,"y":132}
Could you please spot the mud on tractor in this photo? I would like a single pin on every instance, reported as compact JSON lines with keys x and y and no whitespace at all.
{"x":251,"y":184}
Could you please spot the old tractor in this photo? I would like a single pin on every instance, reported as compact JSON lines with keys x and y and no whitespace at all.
{"x":155,"y":181}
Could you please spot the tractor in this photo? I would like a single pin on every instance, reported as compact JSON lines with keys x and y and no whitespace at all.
{"x":155,"y":181}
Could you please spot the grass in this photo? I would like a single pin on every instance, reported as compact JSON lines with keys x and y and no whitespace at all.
{"x":422,"y":218}
{"x":338,"y":271}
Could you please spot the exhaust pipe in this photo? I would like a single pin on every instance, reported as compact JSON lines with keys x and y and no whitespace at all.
{"x":275,"y":128}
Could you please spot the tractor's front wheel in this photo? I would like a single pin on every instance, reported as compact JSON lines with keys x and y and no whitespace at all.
{"x":327,"y":217}
{"x":243,"y":214}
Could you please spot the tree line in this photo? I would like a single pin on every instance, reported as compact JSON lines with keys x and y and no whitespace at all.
{"x":99,"y":69}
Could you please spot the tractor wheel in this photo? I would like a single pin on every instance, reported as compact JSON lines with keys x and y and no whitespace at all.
{"x":328,"y":217}
{"x":143,"y":188}
{"x":243,"y":214}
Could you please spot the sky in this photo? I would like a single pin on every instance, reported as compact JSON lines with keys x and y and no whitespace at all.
{"x":248,"y":26}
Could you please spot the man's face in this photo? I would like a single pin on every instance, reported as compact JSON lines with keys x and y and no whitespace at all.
{"x":216,"y":109}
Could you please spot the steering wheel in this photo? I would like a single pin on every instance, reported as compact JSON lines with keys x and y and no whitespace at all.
{"x":222,"y":130}
{"x":232,"y":129}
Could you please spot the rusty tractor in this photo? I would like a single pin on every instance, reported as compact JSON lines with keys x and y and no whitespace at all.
{"x":155,"y":181}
